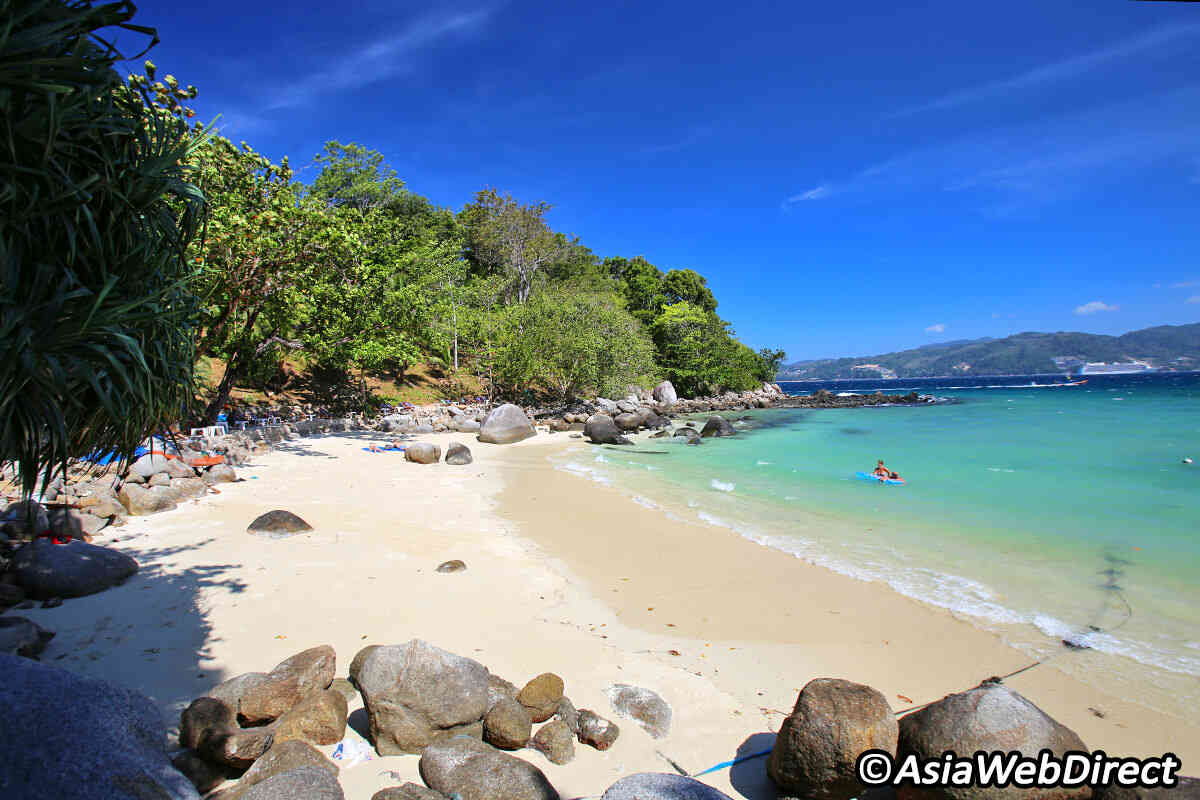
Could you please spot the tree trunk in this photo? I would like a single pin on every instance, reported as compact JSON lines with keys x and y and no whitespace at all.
{"x":224,"y":389}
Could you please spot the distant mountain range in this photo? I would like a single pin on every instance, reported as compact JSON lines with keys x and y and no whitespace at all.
{"x":1169,"y":347}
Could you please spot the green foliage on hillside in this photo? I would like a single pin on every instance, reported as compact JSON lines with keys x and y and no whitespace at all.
{"x":1022,"y":354}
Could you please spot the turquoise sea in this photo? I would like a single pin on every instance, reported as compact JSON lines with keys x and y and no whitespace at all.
{"x":1041,"y":512}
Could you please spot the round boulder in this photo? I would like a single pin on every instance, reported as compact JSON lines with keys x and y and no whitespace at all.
{"x":507,"y":725}
{"x":505,"y":425}
{"x":665,"y":393}
{"x":989,"y":717}
{"x":555,"y":741}
{"x":833,"y":723}
{"x":44,"y":569}
{"x":458,"y":455}
{"x":279,"y":522}
{"x":423,"y":453}
{"x":542,"y":695}
{"x":628,"y":421}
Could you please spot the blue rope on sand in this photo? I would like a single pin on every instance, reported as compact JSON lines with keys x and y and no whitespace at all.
{"x":731,"y":763}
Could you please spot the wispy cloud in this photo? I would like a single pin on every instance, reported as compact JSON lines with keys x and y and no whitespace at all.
{"x":693,"y":135}
{"x":1057,"y":71}
{"x":1094,"y":307}
{"x":937,"y":328}
{"x":378,"y":60}
{"x":1035,"y":163}
{"x":1185,"y":284}
{"x":812,"y":194}
{"x":1193,"y":299}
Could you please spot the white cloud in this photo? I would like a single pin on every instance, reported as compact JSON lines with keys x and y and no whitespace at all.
{"x":938,"y":328}
{"x":1094,"y":307}
{"x":812,"y":194}
{"x":1193,"y":299}
{"x":378,"y":60}
{"x":1059,"y":70}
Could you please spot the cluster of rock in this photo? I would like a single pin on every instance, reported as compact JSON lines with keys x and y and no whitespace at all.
{"x":436,"y":420}
{"x":450,"y":710}
{"x":835,"y":721}
{"x":826,"y":399}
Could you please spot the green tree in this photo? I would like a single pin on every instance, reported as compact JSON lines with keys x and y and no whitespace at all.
{"x":514,"y":240}
{"x":96,"y":212}
{"x":698,"y":353}
{"x":770,"y":361}
{"x":687,"y":286}
{"x":573,"y":341}
{"x":352,"y":175}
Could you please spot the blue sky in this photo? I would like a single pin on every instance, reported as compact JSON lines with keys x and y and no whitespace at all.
{"x":851,"y":178}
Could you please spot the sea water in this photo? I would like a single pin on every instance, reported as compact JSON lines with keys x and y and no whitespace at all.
{"x":1041,"y":511}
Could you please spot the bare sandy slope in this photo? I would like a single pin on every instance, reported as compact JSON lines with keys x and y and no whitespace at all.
{"x":563,"y":576}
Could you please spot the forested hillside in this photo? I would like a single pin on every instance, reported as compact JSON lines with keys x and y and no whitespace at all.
{"x":355,"y":272}
{"x":1166,"y":346}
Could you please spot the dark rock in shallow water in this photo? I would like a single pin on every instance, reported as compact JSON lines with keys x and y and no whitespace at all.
{"x":601,"y":429}
{"x":278,"y":522}
{"x":717,"y":426}
{"x":661,"y":786}
{"x":105,"y":742}
{"x":44,"y":569}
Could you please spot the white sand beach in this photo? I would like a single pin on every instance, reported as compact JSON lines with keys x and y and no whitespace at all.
{"x":565,"y":576}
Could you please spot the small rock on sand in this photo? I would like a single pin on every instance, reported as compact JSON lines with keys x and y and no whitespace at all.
{"x":454,"y":565}
{"x":278,"y":522}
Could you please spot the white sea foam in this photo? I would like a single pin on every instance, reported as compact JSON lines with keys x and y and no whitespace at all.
{"x":762,"y":463}
{"x":586,"y":471}
{"x":642,"y":501}
{"x":1000,"y":469}
{"x":720,"y":486}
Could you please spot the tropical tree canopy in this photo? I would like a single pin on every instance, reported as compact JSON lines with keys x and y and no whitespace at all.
{"x":96,"y":214}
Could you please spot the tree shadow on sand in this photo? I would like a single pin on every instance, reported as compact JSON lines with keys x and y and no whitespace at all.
{"x":150,"y":634}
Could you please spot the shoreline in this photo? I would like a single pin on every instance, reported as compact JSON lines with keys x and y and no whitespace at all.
{"x":544,"y":552}
{"x":758,"y":594}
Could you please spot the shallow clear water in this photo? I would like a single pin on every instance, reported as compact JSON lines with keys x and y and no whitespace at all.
{"x":1042,"y":513}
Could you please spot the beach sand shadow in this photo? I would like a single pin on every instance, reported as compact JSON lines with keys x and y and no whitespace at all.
{"x":749,"y":778}
{"x":151,"y":634}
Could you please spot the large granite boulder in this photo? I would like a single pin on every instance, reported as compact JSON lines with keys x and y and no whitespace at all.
{"x":25,"y":519}
{"x":717,"y":426}
{"x":833,"y":723}
{"x":44,"y":569}
{"x":68,"y":737}
{"x":423,"y":453}
{"x":458,"y":455}
{"x":188,"y":487}
{"x":150,"y":465}
{"x":408,"y":791}
{"x":477,"y":771}
{"x":661,"y":786}
{"x":282,"y":757}
{"x":464,"y":425}
{"x":293,"y":679}
{"x":140,"y":500}
{"x":505,"y":425}
{"x":628,"y":421}
{"x":220,"y":473}
{"x":643,"y":706}
{"x":989,"y":717}
{"x":415,"y":694}
{"x":690,"y":434}
{"x":665,"y":393}
{"x":601,"y":429}
{"x":21,"y":637}
{"x":319,"y":718}
{"x":310,"y":783}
